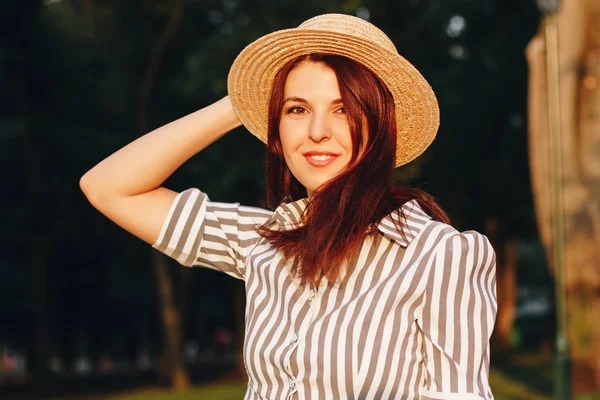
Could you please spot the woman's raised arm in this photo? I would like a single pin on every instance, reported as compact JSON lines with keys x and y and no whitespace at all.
{"x":126,"y":185}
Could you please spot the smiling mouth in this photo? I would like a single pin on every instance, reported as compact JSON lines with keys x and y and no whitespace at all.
{"x":320,"y":159}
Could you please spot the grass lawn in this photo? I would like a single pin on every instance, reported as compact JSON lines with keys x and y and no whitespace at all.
{"x":503,"y":387}
{"x":231,"y":391}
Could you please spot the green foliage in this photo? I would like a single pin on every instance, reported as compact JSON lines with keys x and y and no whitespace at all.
{"x":503,"y":388}
{"x":216,"y":392}
{"x":70,"y":75}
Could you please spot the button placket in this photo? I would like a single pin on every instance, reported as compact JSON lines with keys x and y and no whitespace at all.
{"x":292,"y":383}
{"x":313,"y":294}
{"x":295,"y":339}
{"x":293,"y":388}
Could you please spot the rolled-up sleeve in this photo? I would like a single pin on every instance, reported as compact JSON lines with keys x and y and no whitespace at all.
{"x":198,"y":232}
{"x":457,"y":319}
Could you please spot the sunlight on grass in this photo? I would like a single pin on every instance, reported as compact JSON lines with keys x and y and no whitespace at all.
{"x":503,"y":387}
{"x":214,"y":392}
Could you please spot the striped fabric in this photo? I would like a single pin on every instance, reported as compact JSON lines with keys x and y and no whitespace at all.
{"x":412,"y":321}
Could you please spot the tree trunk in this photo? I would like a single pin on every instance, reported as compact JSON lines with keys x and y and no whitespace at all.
{"x":172,"y":368}
{"x":506,"y":264}
{"x":38,"y":233}
{"x":579,"y":66}
{"x":589,"y":124}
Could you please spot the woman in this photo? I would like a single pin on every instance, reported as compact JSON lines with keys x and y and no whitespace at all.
{"x":356,"y":288}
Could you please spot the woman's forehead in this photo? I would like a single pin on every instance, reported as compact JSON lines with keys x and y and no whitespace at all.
{"x":312,"y":80}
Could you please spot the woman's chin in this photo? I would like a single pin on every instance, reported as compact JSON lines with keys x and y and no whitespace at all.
{"x":315,"y":185}
{"x":313,"y":179}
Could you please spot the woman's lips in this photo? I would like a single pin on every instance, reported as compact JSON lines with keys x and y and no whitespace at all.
{"x":318,"y":159}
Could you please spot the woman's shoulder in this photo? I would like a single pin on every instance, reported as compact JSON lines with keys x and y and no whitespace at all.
{"x":467,"y":246}
{"x":450,"y":235}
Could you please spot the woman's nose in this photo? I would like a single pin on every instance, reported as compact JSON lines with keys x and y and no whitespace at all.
{"x":320,"y":128}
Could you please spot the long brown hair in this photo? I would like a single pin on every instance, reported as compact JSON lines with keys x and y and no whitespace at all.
{"x":343,"y":210}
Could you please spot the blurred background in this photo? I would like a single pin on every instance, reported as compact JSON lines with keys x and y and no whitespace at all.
{"x":88,"y":311}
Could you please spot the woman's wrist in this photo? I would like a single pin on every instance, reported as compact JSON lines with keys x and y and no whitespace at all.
{"x":229,"y":116}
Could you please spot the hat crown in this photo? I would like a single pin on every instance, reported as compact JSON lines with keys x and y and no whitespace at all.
{"x":350,"y":25}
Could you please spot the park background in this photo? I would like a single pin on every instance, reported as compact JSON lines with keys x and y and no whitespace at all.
{"x":88,"y":311}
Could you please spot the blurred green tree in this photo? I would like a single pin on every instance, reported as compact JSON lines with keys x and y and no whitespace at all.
{"x":85,"y":77}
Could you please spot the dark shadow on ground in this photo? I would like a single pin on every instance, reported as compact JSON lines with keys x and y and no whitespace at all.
{"x":100,"y":384}
{"x":533,"y":370}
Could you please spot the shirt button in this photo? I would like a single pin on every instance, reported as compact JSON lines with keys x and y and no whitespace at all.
{"x":292,"y":383}
{"x":295,"y":339}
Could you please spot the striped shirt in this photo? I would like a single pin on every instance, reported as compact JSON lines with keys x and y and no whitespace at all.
{"x":412,"y":321}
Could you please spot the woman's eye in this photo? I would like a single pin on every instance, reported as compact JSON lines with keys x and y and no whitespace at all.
{"x":296,"y":110}
{"x":341,"y":110}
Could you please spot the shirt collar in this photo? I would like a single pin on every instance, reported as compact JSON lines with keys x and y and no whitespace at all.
{"x":289,"y":216}
{"x":413,"y":223}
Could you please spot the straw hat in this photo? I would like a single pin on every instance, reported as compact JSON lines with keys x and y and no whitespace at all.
{"x":253,"y":71}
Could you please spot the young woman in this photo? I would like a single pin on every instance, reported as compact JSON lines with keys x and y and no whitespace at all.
{"x":356,"y":288}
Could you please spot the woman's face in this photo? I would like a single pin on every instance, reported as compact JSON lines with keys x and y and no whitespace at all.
{"x":314,"y":131}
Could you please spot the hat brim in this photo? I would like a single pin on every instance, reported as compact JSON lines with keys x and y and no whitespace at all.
{"x":253,"y":71}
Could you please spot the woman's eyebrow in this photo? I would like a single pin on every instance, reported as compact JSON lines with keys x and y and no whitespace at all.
{"x":301,"y":100}
{"x":295,"y":99}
